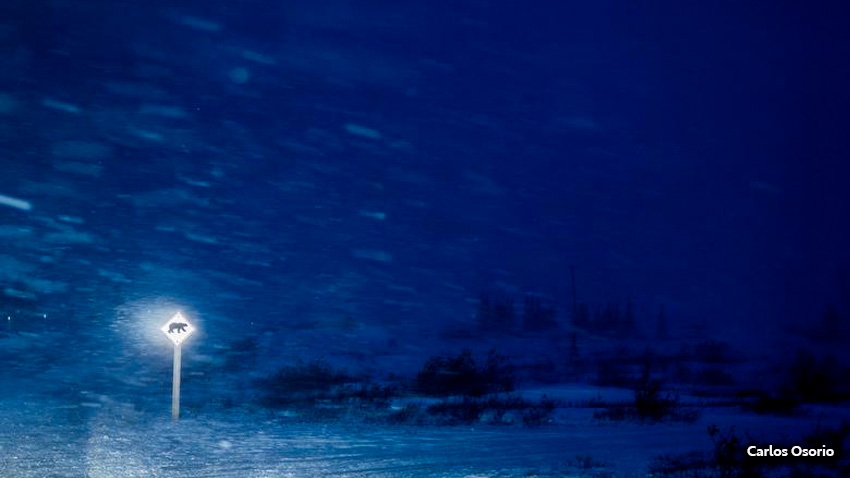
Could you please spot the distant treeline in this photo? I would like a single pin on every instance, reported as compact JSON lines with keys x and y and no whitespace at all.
{"x":497,"y":312}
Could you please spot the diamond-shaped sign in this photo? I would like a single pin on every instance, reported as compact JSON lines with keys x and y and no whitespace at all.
{"x":177,"y":329}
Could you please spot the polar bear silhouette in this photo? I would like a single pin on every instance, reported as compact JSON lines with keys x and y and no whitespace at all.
{"x":178,"y":326}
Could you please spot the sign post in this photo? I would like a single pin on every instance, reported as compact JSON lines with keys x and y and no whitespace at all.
{"x":177,"y":330}
{"x":175,"y":384}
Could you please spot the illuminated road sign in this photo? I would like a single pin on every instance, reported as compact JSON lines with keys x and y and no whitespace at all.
{"x":177,"y":329}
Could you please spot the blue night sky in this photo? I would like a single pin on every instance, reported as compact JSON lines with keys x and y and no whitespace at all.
{"x":390,"y":161}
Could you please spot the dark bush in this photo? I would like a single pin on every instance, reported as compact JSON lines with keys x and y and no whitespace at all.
{"x":540,"y":412}
{"x":469,"y":410}
{"x":318,"y":391}
{"x":441,"y":376}
{"x":768,"y":404}
{"x":449,"y":376}
{"x":817,"y":380}
{"x":365,"y":395}
{"x":649,"y":405}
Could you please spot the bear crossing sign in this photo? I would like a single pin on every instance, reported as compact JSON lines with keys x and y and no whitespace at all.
{"x":177,"y":330}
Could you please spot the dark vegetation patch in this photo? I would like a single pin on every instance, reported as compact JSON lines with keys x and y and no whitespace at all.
{"x":650,"y":405}
{"x":766,"y":403}
{"x":818,"y":379}
{"x":495,"y":410}
{"x":808,"y":379}
{"x":470,"y":393}
{"x":318,"y":385}
{"x":460,"y":375}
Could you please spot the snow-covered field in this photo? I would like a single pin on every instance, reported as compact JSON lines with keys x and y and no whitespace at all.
{"x":38,"y":440}
{"x":101,"y":437}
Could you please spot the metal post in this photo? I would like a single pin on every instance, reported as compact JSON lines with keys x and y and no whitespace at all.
{"x":175,"y":385}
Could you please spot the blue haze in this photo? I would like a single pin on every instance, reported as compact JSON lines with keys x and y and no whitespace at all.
{"x":366,"y":169}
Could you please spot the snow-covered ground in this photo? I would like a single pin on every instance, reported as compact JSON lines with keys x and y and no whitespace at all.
{"x":43,"y":439}
{"x":100,"y":437}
